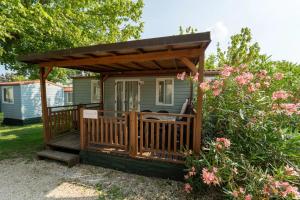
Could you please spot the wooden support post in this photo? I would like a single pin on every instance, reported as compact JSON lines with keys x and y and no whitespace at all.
{"x":101,"y":92}
{"x":45,"y":115}
{"x":79,"y":106}
{"x":198,"y":128}
{"x":83,"y":134}
{"x":133,"y":139}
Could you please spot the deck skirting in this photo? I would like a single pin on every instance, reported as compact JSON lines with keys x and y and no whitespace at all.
{"x":151,"y":168}
{"x":21,"y":122}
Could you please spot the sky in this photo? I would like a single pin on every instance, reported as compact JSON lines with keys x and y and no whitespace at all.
{"x":275,"y":24}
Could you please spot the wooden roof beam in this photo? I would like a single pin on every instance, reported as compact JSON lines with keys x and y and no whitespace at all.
{"x":153,"y":61}
{"x":189,"y":64}
{"x":49,"y":69}
{"x":125,"y":58}
{"x":144,"y":73}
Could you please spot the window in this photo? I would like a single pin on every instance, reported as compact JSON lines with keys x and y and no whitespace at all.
{"x":165,"y":91}
{"x":8,"y":94}
{"x":69,"y":97}
{"x":95,"y":91}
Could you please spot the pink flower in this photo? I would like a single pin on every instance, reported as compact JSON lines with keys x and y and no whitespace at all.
{"x":290,"y":171}
{"x":248,"y":76}
{"x":244,"y":79}
{"x":219,"y":146}
{"x":290,"y":190}
{"x":217,"y":84}
{"x":266,"y":190}
{"x":204,"y":86}
{"x":262,"y":74}
{"x":209,"y":177}
{"x":242,"y":190}
{"x":248,"y":197}
{"x":186,"y":176}
{"x":188,"y":188}
{"x":267,"y":84}
{"x":192,"y":172}
{"x":289,"y":108}
{"x":257,"y":85}
{"x":278,"y":76}
{"x":251,"y":88}
{"x":217,"y":92}
{"x":196,"y":77}
{"x":227,"y":70}
{"x":281,"y":94}
{"x":181,"y":76}
{"x":235,"y":193}
{"x":226,"y":142}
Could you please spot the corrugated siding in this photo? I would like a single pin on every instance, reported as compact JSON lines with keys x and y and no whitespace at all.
{"x":148,"y":94}
{"x":31,"y":99}
{"x":81,"y":91}
{"x":13,"y":110}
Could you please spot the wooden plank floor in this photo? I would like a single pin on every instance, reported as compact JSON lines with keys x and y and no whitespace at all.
{"x":68,"y":141}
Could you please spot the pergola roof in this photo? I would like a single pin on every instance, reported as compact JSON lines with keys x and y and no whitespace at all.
{"x":164,"y":54}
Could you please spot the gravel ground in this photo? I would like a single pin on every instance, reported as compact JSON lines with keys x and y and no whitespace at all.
{"x":40,"y":179}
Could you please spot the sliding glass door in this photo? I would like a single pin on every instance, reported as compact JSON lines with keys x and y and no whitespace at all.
{"x":127,"y":95}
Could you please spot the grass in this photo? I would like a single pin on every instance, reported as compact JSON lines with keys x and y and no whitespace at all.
{"x":112,"y":193}
{"x":20,"y":141}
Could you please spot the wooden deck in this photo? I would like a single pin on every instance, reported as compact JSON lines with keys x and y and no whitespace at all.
{"x":69,"y":140}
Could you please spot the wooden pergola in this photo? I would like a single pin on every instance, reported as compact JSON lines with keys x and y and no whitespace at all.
{"x":157,"y":57}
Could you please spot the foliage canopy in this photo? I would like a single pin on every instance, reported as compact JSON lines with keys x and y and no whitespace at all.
{"x":28,"y":26}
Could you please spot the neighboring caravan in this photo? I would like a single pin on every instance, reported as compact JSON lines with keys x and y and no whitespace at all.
{"x":21,"y":101}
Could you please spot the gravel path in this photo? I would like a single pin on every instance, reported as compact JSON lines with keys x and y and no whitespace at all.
{"x":20,"y":179}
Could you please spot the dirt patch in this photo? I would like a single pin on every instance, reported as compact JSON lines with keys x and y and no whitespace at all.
{"x":21,"y":179}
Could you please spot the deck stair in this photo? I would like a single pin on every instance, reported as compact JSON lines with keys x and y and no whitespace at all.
{"x":68,"y":158}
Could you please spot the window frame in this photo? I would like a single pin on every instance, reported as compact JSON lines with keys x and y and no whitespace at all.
{"x":92,"y":84}
{"x":157,"y":92}
{"x":69,"y":97}
{"x":13,"y":96}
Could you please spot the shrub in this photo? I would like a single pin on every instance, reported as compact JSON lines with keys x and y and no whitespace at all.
{"x":251,"y":136}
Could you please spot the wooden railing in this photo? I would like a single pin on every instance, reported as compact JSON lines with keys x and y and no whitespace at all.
{"x":165,"y":136}
{"x":110,"y":129}
{"x":63,"y":119}
{"x":160,"y":136}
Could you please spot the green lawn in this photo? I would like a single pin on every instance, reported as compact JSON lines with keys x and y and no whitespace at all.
{"x":20,"y":141}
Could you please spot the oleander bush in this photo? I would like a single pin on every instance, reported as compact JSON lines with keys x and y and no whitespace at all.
{"x":251,"y":144}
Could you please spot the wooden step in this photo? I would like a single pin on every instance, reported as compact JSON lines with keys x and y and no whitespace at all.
{"x":69,"y":158}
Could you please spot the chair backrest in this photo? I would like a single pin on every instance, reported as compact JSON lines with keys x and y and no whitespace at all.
{"x":146,"y":111}
{"x":184,"y":107}
{"x":162,"y":111}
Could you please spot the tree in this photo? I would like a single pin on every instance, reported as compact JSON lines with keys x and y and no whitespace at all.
{"x":242,"y":51}
{"x":7,"y":77}
{"x":28,"y":26}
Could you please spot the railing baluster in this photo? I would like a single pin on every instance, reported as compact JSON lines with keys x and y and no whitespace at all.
{"x":146,"y":135}
{"x":169,"y":139}
{"x":163,"y":143}
{"x":116,"y":131}
{"x":188,"y":133}
{"x":181,"y":136}
{"x":141,"y":134}
{"x":157,"y":135}
{"x":152,"y":136}
{"x":175,"y":137}
{"x":101,"y":129}
{"x":106,"y":130}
